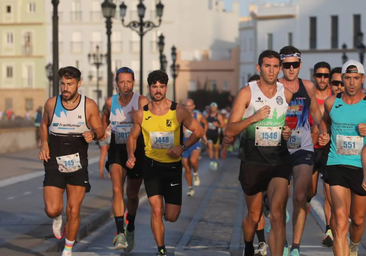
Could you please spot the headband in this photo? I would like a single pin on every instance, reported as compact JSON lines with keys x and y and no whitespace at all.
{"x":296,"y":54}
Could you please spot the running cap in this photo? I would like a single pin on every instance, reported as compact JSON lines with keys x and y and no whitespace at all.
{"x":213,"y":104}
{"x":346,"y":68}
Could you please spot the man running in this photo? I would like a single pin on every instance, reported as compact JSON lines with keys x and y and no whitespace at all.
{"x":215,"y":121}
{"x":119,"y":112}
{"x":344,"y":169}
{"x":65,"y":137}
{"x":259,"y":115}
{"x":300,"y":144}
{"x":190,"y":156}
{"x":161,"y":123}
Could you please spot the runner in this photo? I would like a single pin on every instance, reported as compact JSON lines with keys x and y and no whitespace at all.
{"x":300,"y":145}
{"x":161,"y":123}
{"x":344,"y":169}
{"x":65,"y":136}
{"x":119,"y":112}
{"x":191,"y":156}
{"x":259,"y":115}
{"x":215,"y":122}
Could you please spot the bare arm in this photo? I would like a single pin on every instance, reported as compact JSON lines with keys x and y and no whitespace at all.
{"x":314,"y":107}
{"x":323,"y":138}
{"x":191,"y":124}
{"x":106,"y":113}
{"x":132,"y":138}
{"x":44,"y":153}
{"x":94,"y":121}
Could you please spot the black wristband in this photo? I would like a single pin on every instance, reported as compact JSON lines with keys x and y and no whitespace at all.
{"x":94,"y":135}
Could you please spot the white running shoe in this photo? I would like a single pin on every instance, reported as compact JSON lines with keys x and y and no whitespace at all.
{"x":58,"y":232}
{"x":261,"y":250}
{"x":196,"y":180}
{"x":66,"y":253}
{"x":190,"y":192}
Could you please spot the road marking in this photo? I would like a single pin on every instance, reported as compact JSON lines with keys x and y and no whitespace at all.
{"x":10,"y":198}
{"x":29,"y":176}
{"x":27,"y":193}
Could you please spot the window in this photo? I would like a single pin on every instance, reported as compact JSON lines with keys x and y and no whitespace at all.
{"x":9,"y":38}
{"x":192,"y":86}
{"x":32,"y":7}
{"x":76,"y":43}
{"x":290,"y":39}
{"x":8,"y":9}
{"x":9,"y":72}
{"x":356,"y":29}
{"x":269,"y":41}
{"x":27,"y":46}
{"x":28,"y":104}
{"x":76,"y":10}
{"x":312,"y":33}
{"x":213,"y":85}
{"x":225,"y":86}
{"x":116,"y":42}
{"x":334,"y":32}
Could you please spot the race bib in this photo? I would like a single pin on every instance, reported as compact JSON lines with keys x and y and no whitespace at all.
{"x":349,"y":145}
{"x":122,"y":132}
{"x":187,"y":133}
{"x":69,"y":163}
{"x":162,"y":140}
{"x":295,"y":140}
{"x":211,"y":126}
{"x":268,"y":136}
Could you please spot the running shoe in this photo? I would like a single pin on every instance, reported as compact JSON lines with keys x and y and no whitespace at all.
{"x":120,"y":242}
{"x":66,"y":253}
{"x":215,"y":166}
{"x":162,"y":252}
{"x":353,"y":249}
{"x":130,"y":236}
{"x":57,"y":229}
{"x":190,"y":192}
{"x":328,"y":239}
{"x":285,"y":249}
{"x":196,"y":180}
{"x":295,"y":252}
{"x":211,"y":165}
{"x":261,"y":250}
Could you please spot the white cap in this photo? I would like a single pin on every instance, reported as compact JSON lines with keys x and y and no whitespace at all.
{"x":358,"y":65}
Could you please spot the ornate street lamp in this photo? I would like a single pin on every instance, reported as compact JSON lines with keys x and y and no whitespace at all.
{"x":55,"y":90}
{"x":344,"y":56}
{"x":49,"y":74}
{"x":360,"y":46}
{"x":109,"y":10}
{"x":161,"y":49}
{"x":141,"y":27}
{"x":174,"y":69}
{"x":164,"y":62}
{"x":96,"y":59}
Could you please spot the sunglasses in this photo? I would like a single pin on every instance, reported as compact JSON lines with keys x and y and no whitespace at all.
{"x":336,"y":83}
{"x":320,"y":75}
{"x":287,"y":65}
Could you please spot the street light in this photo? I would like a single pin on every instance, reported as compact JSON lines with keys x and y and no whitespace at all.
{"x":49,"y":74}
{"x":109,"y":10}
{"x":55,"y":47}
{"x":139,"y":26}
{"x":161,"y":49}
{"x":174,"y":69}
{"x":96,"y":59}
{"x":344,"y":56}
{"x":164,"y":62}
{"x":360,"y":46}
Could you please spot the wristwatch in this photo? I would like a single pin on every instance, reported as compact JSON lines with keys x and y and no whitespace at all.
{"x":184,"y":147}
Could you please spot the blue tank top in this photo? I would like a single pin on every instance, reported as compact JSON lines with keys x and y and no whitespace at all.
{"x":346,"y":142}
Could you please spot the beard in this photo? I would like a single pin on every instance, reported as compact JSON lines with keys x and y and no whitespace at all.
{"x":153,"y":98}
{"x":72,"y":95}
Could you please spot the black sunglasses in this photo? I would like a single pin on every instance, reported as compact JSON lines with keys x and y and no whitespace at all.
{"x":336,"y":83}
{"x":287,"y":65}
{"x":320,"y":75}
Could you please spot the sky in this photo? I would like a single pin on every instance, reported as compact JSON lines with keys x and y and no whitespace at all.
{"x":244,"y":4}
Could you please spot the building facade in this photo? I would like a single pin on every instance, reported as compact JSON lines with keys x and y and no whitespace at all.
{"x":22,"y":56}
{"x":323,"y":30}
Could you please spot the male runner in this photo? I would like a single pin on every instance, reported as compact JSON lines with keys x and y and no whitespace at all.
{"x":161,"y":123}
{"x":215,"y":121}
{"x":70,"y":122}
{"x":119,"y":112}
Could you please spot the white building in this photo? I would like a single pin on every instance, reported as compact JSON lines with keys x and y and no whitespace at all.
{"x":318,"y":28}
{"x":192,"y":26}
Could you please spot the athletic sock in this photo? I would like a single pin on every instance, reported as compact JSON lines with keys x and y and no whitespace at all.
{"x":260,"y":235}
{"x":68,"y":245}
{"x":161,"y":248}
{"x":295,"y":246}
{"x":353,"y":246}
{"x":249,"y":248}
{"x":119,"y":224}
{"x":131,"y":222}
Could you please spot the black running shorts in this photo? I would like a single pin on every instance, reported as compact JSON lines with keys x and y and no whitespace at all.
{"x":58,"y":179}
{"x":163,"y":179}
{"x":302,"y":157}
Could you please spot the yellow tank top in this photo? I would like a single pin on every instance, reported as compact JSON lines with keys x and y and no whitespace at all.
{"x":161,"y":133}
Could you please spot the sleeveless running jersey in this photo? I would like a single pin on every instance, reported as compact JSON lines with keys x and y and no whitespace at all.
{"x":346,"y":142}
{"x":297,"y":119}
{"x":262,"y":143}
{"x":68,"y":148}
{"x":161,"y":133}
{"x":211,"y":128}
{"x":121,"y":120}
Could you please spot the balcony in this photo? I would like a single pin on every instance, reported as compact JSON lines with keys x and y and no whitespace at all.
{"x":76,"y":47}
{"x":27,"y":49}
{"x":75,"y":16}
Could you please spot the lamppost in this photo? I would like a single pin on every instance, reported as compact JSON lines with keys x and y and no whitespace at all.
{"x":49,"y":74}
{"x":344,"y":56}
{"x":109,"y":10}
{"x":96,"y":59}
{"x":141,"y":27}
{"x":164,"y":62}
{"x":174,"y":69}
{"x":360,"y":46}
{"x":161,"y":49}
{"x":55,"y":46}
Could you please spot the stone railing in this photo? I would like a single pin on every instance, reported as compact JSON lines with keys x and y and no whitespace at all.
{"x":15,"y":139}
